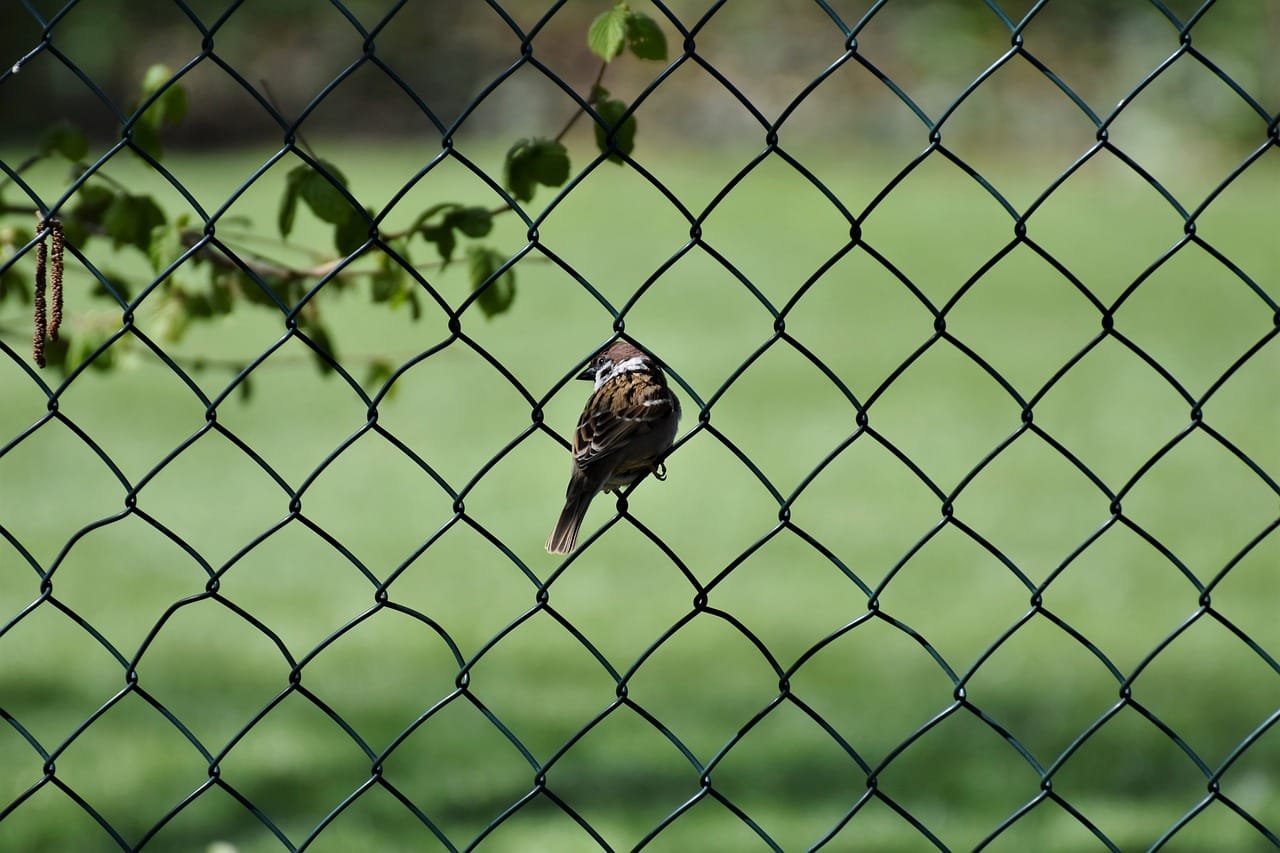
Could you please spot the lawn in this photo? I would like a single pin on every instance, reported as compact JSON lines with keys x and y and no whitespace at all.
{"x":872,"y":605}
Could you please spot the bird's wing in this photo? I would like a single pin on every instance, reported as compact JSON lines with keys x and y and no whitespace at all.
{"x":603,"y":430}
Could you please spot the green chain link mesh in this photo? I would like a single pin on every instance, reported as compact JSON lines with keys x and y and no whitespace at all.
{"x":1051,"y":686}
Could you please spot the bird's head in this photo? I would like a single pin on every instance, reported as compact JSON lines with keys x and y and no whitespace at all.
{"x":614,"y":360}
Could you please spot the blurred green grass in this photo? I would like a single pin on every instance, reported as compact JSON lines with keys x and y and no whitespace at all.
{"x":874,"y":685}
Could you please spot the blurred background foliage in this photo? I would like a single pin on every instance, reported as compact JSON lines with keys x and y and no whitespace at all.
{"x":448,"y":50}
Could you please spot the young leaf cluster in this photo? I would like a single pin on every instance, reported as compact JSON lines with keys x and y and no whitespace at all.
{"x":211,"y":283}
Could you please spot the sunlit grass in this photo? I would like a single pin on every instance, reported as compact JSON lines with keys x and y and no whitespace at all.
{"x":1024,"y":513}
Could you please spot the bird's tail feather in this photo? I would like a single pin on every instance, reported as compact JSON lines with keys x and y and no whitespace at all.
{"x":565,"y":535}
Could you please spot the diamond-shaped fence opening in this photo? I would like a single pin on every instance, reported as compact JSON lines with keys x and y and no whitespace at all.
{"x":968,"y":533}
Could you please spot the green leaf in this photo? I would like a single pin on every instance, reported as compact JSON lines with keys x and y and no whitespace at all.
{"x":378,"y":374}
{"x":130,"y":220}
{"x":321,"y":195}
{"x":403,"y":291}
{"x":288,"y":206}
{"x":288,"y":289}
{"x":199,"y":306}
{"x":165,"y":246}
{"x":255,"y":294}
{"x":169,"y":108}
{"x":549,"y":161}
{"x":645,"y":38}
{"x":66,"y":139}
{"x":400,"y":247}
{"x":402,"y":296}
{"x":498,"y":294}
{"x":119,"y":285}
{"x":175,"y":315}
{"x":92,"y":202}
{"x":472,"y":221}
{"x":516,"y":174}
{"x":350,"y":236}
{"x":624,"y":135}
{"x":105,"y":361}
{"x":323,"y":341}
{"x":11,"y":237}
{"x":56,"y":353}
{"x":82,"y":346}
{"x":146,"y":136}
{"x":13,"y":284}
{"x":430,"y":212}
{"x":443,"y":237}
{"x":220,"y":292}
{"x":382,"y":286}
{"x":535,"y":161}
{"x":608,"y":32}
{"x":387,"y":282}
{"x":155,"y":77}
{"x":74,"y":232}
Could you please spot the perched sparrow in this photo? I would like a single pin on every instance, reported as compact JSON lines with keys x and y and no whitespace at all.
{"x":628,"y":425}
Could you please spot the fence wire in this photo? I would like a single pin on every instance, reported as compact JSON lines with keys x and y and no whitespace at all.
{"x":35,"y":749}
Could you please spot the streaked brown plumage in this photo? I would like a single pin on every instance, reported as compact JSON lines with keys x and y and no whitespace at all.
{"x":628,"y":425}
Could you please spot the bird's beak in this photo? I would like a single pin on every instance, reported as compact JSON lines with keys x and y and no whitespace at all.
{"x":589,"y":374}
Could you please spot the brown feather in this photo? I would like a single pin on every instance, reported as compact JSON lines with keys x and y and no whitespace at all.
{"x":627,"y":426}
{"x":564,"y":536}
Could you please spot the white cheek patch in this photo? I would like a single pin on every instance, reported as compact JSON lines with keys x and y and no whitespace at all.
{"x":634,"y":363}
{"x":626,"y":366}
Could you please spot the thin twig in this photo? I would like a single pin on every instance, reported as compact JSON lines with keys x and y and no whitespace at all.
{"x":246,"y":236}
{"x":564,"y":131}
{"x":22,"y":167}
{"x":262,"y":265}
{"x":573,"y":119}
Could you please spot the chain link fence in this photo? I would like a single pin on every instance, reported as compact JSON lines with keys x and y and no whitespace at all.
{"x":968,"y":535}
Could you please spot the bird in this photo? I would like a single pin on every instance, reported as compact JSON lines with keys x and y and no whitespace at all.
{"x":626,"y":429}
